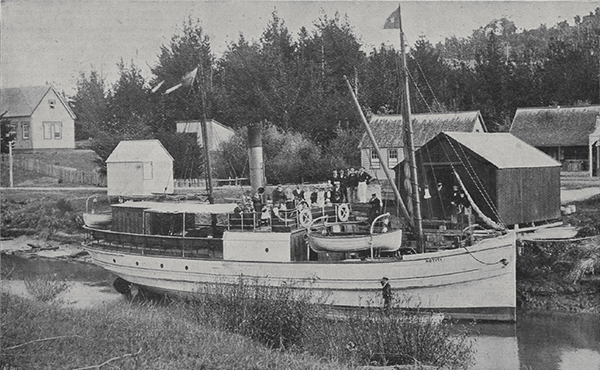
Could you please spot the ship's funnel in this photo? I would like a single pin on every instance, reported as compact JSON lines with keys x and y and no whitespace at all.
{"x":255,"y":156}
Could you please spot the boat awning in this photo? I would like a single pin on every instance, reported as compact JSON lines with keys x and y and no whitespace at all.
{"x":159,"y":207}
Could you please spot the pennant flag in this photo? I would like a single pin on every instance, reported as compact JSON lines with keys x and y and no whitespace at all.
{"x":155,"y":88}
{"x":393,"y":21}
{"x":186,"y":81}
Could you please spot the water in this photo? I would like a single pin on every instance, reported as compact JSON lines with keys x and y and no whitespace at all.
{"x":544,"y":341}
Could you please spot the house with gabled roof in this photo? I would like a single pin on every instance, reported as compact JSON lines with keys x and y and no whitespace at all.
{"x":139,"y":168}
{"x":40,"y":117}
{"x":570,"y":135}
{"x":388,"y":133}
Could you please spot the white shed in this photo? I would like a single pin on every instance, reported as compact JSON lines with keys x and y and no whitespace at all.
{"x":217,"y":132}
{"x":139,"y":167}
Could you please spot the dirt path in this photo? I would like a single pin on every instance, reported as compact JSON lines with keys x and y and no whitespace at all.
{"x":574,"y":195}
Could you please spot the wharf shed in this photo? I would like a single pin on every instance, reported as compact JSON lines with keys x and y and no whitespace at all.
{"x":139,"y":168}
{"x":570,"y":135}
{"x":388,"y":132}
{"x":510,"y":181}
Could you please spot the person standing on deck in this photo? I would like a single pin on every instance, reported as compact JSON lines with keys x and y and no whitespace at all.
{"x":352,"y":184}
{"x":337,"y":195}
{"x":375,"y":209}
{"x":278,"y":196}
{"x":363,"y":181}
{"x":344,"y":185}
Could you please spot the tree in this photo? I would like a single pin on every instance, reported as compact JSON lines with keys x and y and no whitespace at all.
{"x":89,"y":105}
{"x":7,"y":132}
{"x":185,"y":52}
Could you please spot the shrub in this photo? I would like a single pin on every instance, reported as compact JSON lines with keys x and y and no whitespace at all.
{"x":45,"y":288}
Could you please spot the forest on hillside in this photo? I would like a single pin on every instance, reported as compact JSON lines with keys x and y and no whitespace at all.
{"x":294,"y":85}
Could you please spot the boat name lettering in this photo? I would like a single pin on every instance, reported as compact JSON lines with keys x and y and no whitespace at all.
{"x":434,"y":259}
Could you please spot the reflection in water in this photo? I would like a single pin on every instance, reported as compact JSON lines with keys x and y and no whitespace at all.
{"x":544,"y":341}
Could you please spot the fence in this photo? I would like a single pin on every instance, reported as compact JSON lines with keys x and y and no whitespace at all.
{"x":64,"y":174}
{"x":201,"y":183}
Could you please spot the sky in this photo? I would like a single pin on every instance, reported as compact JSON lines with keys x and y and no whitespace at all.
{"x":52,"y":41}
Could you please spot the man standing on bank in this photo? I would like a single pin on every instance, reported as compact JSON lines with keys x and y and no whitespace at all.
{"x":386,"y":290}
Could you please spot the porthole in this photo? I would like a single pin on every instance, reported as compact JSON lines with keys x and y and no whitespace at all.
{"x":267,"y":250}
{"x":186,"y":267}
{"x":114,"y":261}
{"x":161,"y":265}
{"x":137,"y":263}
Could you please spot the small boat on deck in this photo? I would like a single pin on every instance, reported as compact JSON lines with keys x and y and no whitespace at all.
{"x":97,"y":220}
{"x":351,"y":237}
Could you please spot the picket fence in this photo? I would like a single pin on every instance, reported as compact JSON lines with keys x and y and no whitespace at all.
{"x":64,"y":174}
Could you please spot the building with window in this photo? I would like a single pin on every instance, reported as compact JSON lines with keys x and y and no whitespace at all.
{"x":138,"y":168}
{"x":387,"y":130}
{"x":570,"y":135}
{"x":40,"y":117}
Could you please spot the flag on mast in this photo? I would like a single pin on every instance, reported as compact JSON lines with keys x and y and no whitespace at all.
{"x":186,"y":81}
{"x":393,"y":21}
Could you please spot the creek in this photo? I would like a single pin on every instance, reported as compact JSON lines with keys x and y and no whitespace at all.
{"x":538,"y":340}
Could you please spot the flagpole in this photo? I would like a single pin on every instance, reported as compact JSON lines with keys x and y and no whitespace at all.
{"x":409,"y":145}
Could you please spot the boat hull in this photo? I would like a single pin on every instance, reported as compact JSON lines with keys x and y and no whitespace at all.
{"x":468,"y":283}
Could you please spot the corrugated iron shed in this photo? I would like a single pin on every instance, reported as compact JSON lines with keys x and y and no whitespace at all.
{"x":387,"y":129}
{"x":555,"y":126}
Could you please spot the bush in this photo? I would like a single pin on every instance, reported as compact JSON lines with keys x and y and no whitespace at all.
{"x":284,"y":318}
{"x":45,"y":288}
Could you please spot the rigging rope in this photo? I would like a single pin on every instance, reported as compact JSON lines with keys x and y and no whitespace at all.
{"x":475,"y":179}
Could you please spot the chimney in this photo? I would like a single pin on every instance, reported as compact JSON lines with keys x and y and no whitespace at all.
{"x":255,"y":156}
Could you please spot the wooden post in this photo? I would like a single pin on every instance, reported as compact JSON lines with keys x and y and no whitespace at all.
{"x":10,"y":163}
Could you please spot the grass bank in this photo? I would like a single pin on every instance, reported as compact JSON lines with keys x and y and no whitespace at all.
{"x":239,"y":326}
{"x":38,"y":335}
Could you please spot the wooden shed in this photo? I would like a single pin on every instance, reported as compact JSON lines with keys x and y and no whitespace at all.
{"x":139,"y":167}
{"x":510,"y":181}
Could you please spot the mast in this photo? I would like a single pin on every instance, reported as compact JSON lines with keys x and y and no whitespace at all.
{"x":409,"y":145}
{"x":209,"y":187}
{"x":405,"y":212}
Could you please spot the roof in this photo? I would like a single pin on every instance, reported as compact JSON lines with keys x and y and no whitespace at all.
{"x":23,"y":101}
{"x":555,"y":126}
{"x":503,"y":150}
{"x":138,"y":151}
{"x":187,"y":207}
{"x":387,"y":129}
{"x":217,"y":132}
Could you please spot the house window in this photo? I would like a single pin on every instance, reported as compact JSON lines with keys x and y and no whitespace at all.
{"x":52,"y":130}
{"x":57,"y":130}
{"x":147,"y":170}
{"x":374,"y":159}
{"x":392,"y":158}
{"x":52,"y":103}
{"x":47,"y":130}
{"x":25,"y":130}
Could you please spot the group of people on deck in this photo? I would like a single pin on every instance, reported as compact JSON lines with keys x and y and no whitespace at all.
{"x":349,"y":186}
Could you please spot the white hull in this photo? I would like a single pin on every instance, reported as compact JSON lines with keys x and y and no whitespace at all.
{"x":461,"y":284}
